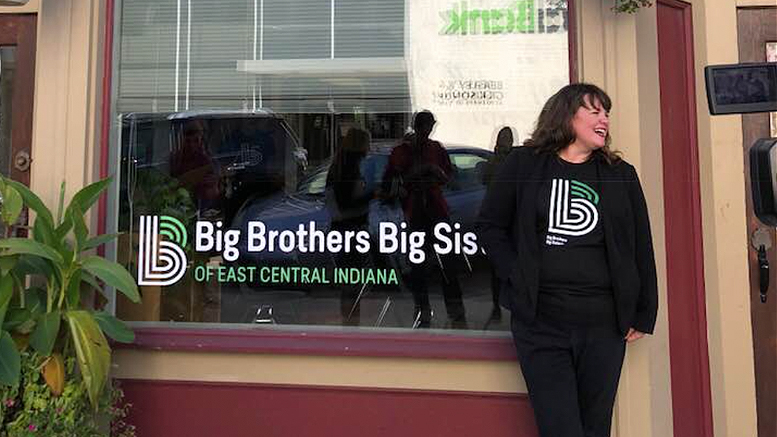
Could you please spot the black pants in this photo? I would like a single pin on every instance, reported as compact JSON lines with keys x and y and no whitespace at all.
{"x":572,"y":373}
{"x":445,"y":265}
{"x":350,"y":301}
{"x":451,"y":288}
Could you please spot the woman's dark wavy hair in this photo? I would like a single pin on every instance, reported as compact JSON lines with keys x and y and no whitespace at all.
{"x":553,"y":131}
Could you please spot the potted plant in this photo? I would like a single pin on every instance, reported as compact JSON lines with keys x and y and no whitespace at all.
{"x":54,"y":355}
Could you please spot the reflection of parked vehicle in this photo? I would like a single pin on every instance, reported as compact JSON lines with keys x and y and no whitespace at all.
{"x":221,"y":157}
{"x":464,"y":193}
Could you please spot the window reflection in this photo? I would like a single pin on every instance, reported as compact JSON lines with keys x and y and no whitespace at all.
{"x":232,"y":169}
{"x":288,"y":113}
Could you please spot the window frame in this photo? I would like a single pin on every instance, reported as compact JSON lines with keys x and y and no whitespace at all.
{"x":296,"y":339}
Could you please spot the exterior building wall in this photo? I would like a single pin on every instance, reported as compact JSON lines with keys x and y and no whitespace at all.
{"x":725,"y":235}
{"x":380,"y":373}
{"x":618,"y":52}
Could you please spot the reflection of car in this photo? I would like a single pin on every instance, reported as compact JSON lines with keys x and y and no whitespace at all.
{"x":463,"y":193}
{"x":247,"y":153}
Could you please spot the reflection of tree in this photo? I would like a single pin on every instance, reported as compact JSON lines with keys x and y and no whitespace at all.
{"x":159,"y":194}
{"x":630,"y":6}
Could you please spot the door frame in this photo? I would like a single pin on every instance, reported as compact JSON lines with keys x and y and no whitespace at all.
{"x":689,"y":348}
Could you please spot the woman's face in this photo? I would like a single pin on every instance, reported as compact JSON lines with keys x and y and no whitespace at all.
{"x":591,"y":124}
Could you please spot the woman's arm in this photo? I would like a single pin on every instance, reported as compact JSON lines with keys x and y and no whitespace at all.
{"x":647,"y":303}
{"x":496,"y":217}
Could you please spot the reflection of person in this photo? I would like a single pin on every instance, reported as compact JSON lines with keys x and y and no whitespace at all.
{"x":424,"y":168}
{"x":566,"y":226}
{"x":192,"y":164}
{"x":502,"y":148}
{"x":756,"y":87}
{"x":348,"y":201}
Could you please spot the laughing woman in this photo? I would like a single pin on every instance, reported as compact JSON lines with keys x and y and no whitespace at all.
{"x":566,"y":226}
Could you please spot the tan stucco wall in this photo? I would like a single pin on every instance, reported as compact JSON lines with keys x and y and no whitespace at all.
{"x":67,"y":92}
{"x":401,"y":373}
{"x":68,"y":74}
{"x":725,"y":232}
{"x":617,"y":52}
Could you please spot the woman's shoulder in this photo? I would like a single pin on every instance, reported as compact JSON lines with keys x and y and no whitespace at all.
{"x":621,"y":167}
{"x":523,"y":153}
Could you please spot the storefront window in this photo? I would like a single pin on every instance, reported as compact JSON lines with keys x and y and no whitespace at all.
{"x":268,"y":167}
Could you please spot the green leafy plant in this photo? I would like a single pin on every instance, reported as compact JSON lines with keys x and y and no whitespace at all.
{"x":630,"y":6}
{"x":47,"y":284}
{"x":33,"y":409}
{"x":161,"y":194}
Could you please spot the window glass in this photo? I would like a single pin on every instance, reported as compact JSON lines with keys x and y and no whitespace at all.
{"x":268,"y":167}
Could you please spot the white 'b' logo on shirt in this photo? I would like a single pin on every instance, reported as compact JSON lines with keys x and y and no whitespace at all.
{"x":572,"y":208}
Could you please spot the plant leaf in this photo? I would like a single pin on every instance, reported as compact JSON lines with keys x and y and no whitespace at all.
{"x":99,"y":240}
{"x":86,"y":196}
{"x":92,"y":352}
{"x":33,"y":265}
{"x":32,"y":201}
{"x":45,"y":333}
{"x":35,"y":298}
{"x":30,"y":247}
{"x":114,"y":328}
{"x":18,"y":320}
{"x":43,"y":232}
{"x":61,"y":203}
{"x":7,"y":263}
{"x":73,"y":290}
{"x":92,"y":281}
{"x":64,"y":227}
{"x":112,"y":274}
{"x":54,"y":374}
{"x":67,"y":252}
{"x":6,"y":293}
{"x":79,"y":226}
{"x":10,"y":361}
{"x":12,"y":205}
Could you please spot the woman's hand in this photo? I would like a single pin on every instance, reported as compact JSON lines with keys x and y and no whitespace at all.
{"x":633,"y":335}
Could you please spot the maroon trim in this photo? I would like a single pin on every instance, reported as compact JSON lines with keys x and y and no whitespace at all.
{"x":572,"y":37}
{"x":105,"y":116}
{"x":340,"y":388}
{"x":326,"y":343}
{"x":702,"y":346}
{"x":234,"y":409}
{"x":689,"y":354}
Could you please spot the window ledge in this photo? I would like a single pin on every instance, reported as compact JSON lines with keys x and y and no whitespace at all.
{"x":323,"y":341}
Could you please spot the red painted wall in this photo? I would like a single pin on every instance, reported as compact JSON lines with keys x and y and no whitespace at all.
{"x":169,"y":409}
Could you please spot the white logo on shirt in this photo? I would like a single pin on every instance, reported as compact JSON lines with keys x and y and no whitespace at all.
{"x":572,"y":208}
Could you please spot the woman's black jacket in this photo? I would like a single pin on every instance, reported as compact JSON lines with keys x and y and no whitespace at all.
{"x":507,"y":229}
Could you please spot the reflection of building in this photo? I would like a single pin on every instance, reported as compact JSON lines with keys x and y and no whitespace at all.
{"x":696,"y":374}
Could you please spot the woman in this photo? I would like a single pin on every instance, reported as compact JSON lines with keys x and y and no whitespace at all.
{"x":502,"y":148}
{"x":423,"y":166}
{"x":347,"y":199}
{"x":566,"y":226}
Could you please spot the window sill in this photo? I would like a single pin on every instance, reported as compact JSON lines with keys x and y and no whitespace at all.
{"x":492,"y":346}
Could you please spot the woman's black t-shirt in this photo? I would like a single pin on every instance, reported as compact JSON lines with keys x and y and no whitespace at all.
{"x":575,"y":285}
